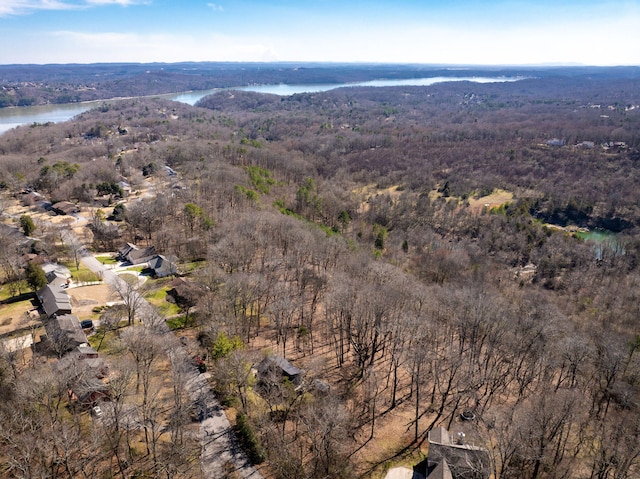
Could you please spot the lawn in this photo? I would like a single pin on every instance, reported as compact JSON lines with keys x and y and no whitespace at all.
{"x":81,"y":274}
{"x":5,"y":291}
{"x":107,"y":259}
{"x":137,"y":269}
{"x":84,"y":275}
{"x":158,"y":298}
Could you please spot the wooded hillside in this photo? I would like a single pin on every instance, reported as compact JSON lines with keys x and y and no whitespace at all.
{"x":413,"y":249}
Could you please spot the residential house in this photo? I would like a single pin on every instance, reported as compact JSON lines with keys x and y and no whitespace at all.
{"x":280,"y":368}
{"x":65,"y":208}
{"x":57,"y":275}
{"x":33,"y":198}
{"x":82,"y":362}
{"x":88,"y":391}
{"x":163,"y":266}
{"x":135,"y":255}
{"x":448,"y":459}
{"x":64,"y":333}
{"x":54,"y":300}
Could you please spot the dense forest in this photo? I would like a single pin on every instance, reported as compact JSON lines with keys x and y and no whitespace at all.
{"x":419,"y":251}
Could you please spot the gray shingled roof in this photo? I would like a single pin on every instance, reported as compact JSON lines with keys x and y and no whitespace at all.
{"x":163,"y":266}
{"x":69,"y":325}
{"x":281,"y":363}
{"x":54,"y":300}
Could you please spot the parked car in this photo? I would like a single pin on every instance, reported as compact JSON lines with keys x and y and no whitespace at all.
{"x":97,"y":412}
{"x":86,"y":324}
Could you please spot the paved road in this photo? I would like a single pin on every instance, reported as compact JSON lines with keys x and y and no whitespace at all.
{"x":218,"y":441}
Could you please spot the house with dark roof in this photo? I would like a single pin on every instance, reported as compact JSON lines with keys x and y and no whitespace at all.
{"x":449,"y":459}
{"x":279,"y":367}
{"x":64,"y":333}
{"x":82,"y":362}
{"x":135,"y":255}
{"x":57,"y":275}
{"x":88,"y":391}
{"x":163,"y":266}
{"x":65,"y":208}
{"x":33,"y":198}
{"x":54,"y":300}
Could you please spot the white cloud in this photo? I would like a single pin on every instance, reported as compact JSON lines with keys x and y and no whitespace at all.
{"x":215,"y":7}
{"x":89,"y":47}
{"x":124,"y":3}
{"x":20,"y":7}
{"x":23,"y":7}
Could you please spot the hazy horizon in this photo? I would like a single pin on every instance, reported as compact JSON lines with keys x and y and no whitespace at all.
{"x":461,"y":33}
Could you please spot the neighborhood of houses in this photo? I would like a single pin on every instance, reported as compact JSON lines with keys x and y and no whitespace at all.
{"x":67,"y":335}
{"x":86,"y":372}
{"x":588,"y":145}
{"x":78,"y":362}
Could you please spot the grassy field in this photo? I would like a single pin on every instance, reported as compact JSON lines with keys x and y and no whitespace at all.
{"x":157,"y":296}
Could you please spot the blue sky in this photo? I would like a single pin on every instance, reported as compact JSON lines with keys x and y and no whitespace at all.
{"x":515,"y":32}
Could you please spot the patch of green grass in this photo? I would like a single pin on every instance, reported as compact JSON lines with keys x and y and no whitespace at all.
{"x":5,"y":291}
{"x":83,"y":274}
{"x":108,"y":345}
{"x":107,"y":259}
{"x":129,"y":277}
{"x":168,"y":309}
{"x":177,"y":322}
{"x":193,"y":266}
{"x":158,"y":298}
{"x":138,"y":269}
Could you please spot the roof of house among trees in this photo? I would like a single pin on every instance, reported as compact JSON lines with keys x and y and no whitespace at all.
{"x":65,"y":331}
{"x":455,"y":460}
{"x":270,"y":363}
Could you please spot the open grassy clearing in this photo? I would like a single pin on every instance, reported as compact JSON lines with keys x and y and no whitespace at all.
{"x":496,"y":199}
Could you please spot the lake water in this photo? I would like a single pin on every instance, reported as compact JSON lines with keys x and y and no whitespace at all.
{"x":602,"y":241}
{"x":13,"y":117}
